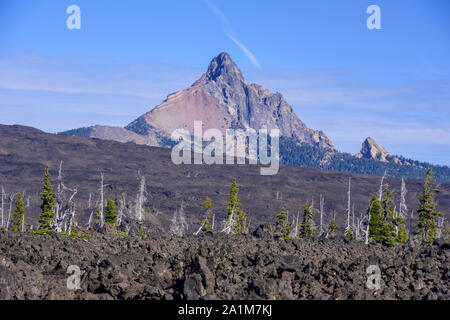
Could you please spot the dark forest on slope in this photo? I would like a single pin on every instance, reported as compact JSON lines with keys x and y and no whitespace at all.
{"x":306,"y":155}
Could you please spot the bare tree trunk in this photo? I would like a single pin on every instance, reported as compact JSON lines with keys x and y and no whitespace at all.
{"x":353,"y":216}
{"x":368,"y":225}
{"x":90,"y":200}
{"x":178,"y":225}
{"x":3,"y":195}
{"x":102,"y":200}
{"x":380,"y":191}
{"x":440,"y":227}
{"x":322,"y":202}
{"x":59,"y":195}
{"x":228,"y":228}
{"x":403,"y":209}
{"x":348,"y":205}
{"x":140,"y":199}
{"x":11,"y":200}
{"x":122,"y":205}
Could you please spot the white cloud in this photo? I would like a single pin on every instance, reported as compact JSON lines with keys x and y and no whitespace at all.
{"x":230,"y":34}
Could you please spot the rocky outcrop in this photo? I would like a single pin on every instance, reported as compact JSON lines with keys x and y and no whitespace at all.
{"x":372,"y":150}
{"x":216,"y":267}
{"x":222,"y":99}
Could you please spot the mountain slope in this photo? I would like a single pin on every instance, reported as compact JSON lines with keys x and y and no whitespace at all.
{"x":25,"y":152}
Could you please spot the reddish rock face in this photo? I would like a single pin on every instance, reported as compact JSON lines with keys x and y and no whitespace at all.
{"x":122,"y":135}
{"x":222,"y":99}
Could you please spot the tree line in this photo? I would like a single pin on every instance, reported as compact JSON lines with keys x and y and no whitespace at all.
{"x":383,"y":222}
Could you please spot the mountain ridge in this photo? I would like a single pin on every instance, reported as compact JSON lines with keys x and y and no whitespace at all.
{"x":222,"y":99}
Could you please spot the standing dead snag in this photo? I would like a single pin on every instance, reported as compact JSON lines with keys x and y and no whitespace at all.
{"x":64,"y":207}
{"x":102,"y":200}
{"x":321,"y":205}
{"x":122,"y":205}
{"x":380,"y":190}
{"x":348,"y":230}
{"x":403,"y":209}
{"x":3,"y":197}
{"x":140,"y":199}
{"x":179,"y":226}
{"x":11,"y":200}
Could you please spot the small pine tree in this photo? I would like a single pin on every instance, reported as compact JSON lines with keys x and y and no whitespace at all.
{"x":74,"y":232}
{"x":402,"y":235}
{"x":376,"y":224}
{"x":389,"y":223}
{"x":234,"y":209}
{"x":19,"y":215}
{"x":110,"y":212}
{"x":333,"y":225}
{"x":427,"y":224}
{"x":283,"y":226}
{"x":306,"y":228}
{"x":207,"y":222}
{"x":142,"y":233}
{"x":48,"y":202}
{"x":349,"y":234}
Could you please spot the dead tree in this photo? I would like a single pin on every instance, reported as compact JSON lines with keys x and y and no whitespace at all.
{"x":229,"y":222}
{"x":11,"y":200}
{"x":3,"y":197}
{"x":353,"y":216}
{"x":321,"y":205}
{"x":380,"y":190}
{"x":140,"y":199}
{"x":89,"y":200}
{"x":294,"y":233}
{"x":64,"y":209}
{"x":441,"y":221}
{"x":403,"y":209}
{"x":102,"y":200}
{"x":178,"y":224}
{"x":348,"y":206}
{"x":121,"y":209}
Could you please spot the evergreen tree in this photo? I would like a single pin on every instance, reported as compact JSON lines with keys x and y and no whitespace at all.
{"x":110,"y":212}
{"x":234,"y":210}
{"x":19,"y":215}
{"x":333,"y":225}
{"x":283,"y":227}
{"x":207,"y":222}
{"x":427,"y":224}
{"x":48,"y":202}
{"x":306,"y":228}
{"x":389,"y":223}
{"x":349,"y":234}
{"x":376,"y":224}
{"x":402,"y":235}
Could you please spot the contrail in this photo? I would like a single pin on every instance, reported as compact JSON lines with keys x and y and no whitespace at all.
{"x":230,"y":34}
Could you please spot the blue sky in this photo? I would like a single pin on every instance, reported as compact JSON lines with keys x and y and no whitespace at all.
{"x":391,"y":84}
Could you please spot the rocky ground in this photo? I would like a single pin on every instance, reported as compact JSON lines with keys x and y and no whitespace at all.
{"x":217,"y":267}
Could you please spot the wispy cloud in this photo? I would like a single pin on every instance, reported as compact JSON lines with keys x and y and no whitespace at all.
{"x":230,"y":34}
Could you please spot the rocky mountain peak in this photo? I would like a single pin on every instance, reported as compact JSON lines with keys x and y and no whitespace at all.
{"x":222,"y":67}
{"x":372,"y":150}
{"x":222,"y":99}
